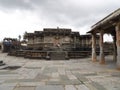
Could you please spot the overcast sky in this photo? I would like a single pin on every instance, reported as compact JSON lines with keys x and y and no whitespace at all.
{"x":18,"y":16}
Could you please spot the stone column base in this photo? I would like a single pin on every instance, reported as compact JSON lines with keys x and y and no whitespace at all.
{"x":94,"y":60}
{"x":102,"y":62}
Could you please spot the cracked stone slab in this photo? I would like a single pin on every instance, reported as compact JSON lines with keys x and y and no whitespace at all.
{"x":81,"y":78}
{"x":95,"y":86}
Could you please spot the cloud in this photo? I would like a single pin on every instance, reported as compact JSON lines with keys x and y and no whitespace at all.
{"x":75,"y":14}
{"x":15,"y":4}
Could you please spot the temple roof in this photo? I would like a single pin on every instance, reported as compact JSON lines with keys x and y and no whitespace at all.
{"x":52,"y":31}
{"x":57,"y":30}
{"x":12,"y":39}
{"x":75,"y":34}
{"x":88,"y":36}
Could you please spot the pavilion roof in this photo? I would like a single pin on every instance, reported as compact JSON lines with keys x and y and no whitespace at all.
{"x":107,"y":22}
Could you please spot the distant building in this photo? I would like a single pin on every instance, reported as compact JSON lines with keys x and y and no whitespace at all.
{"x":9,"y":44}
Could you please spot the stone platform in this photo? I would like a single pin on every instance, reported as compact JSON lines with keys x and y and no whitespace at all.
{"x":79,"y":74}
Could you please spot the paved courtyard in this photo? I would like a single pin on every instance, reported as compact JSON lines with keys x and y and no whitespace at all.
{"x":79,"y":74}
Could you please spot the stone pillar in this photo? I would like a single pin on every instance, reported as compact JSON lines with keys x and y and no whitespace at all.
{"x":118,"y":44}
{"x":94,"y":57}
{"x":102,"y":58}
{"x":115,"y":49}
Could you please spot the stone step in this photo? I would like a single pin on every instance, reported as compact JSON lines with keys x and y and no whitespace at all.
{"x":57,"y":55}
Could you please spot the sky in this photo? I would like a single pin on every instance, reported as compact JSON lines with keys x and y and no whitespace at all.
{"x":20,"y":16}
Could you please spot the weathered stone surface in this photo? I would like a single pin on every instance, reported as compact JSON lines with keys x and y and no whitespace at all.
{"x":6,"y":87}
{"x":79,"y":74}
{"x":71,"y":82}
{"x":70,"y":87}
{"x":32,"y":84}
{"x":48,"y":87}
{"x":6,"y":72}
{"x":54,"y":83}
{"x":82,"y":87}
{"x":41,"y":77}
{"x":82,"y":78}
{"x":50,"y":70}
{"x":71,"y":77}
{"x":64,"y":77}
{"x":20,"y":80}
{"x":95,"y":86}
{"x":24,"y":88}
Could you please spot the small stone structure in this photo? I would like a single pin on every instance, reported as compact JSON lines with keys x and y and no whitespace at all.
{"x":1,"y":63}
{"x":9,"y":44}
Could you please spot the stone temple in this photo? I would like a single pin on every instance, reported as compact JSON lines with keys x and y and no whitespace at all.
{"x":52,"y":43}
{"x":53,"y":39}
{"x":55,"y":44}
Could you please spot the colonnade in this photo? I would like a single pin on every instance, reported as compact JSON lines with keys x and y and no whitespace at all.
{"x":116,"y":42}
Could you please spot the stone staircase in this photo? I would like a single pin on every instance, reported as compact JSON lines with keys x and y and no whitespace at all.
{"x":58,"y":55}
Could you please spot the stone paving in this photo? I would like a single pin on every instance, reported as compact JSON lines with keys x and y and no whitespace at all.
{"x":79,"y":74}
